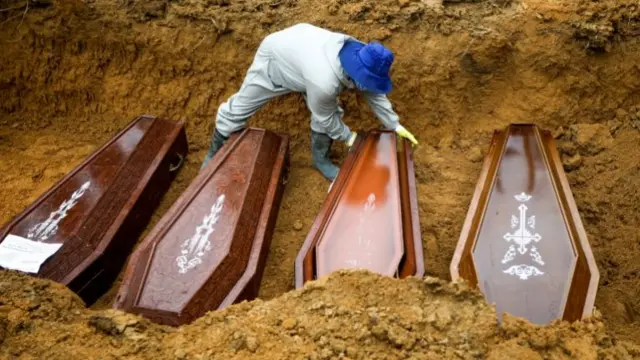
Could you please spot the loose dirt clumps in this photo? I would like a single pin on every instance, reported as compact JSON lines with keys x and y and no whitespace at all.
{"x":75,"y":72}
{"x":336,"y":317}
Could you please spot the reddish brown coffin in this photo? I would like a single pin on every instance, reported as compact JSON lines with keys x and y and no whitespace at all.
{"x":523,"y":243}
{"x":370,"y":217}
{"x":210,"y":249}
{"x":99,"y":209}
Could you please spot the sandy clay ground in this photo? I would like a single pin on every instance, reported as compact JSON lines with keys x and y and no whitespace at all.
{"x":72,"y":73}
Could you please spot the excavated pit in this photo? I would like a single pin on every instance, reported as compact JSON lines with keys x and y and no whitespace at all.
{"x":74,"y":72}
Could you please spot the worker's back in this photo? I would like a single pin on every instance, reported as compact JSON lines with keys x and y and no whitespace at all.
{"x":304,"y":55}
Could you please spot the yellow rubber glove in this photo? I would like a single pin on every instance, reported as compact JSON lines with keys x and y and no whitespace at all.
{"x":400,"y":130}
{"x":352,"y":139}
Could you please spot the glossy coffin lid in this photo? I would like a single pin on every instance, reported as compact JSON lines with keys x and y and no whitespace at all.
{"x":210,"y":249}
{"x":100,"y":208}
{"x":370,"y":217}
{"x":523,"y":243}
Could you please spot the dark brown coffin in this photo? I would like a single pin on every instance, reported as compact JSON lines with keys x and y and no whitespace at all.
{"x":370,"y":217}
{"x":523,"y":243}
{"x":100,"y":208}
{"x":210,"y":248}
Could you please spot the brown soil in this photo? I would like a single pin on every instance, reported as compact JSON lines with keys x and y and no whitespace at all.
{"x":411,"y":319}
{"x":74,"y":72}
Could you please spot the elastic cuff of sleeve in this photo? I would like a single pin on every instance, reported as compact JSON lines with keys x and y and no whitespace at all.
{"x":346,"y":134}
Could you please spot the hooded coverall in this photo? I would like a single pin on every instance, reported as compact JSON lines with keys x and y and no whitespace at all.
{"x":302,"y":58}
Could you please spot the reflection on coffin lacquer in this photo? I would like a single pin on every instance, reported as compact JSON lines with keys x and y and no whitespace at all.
{"x":98,"y":210}
{"x":370,"y":218}
{"x":523,"y":243}
{"x":209,"y":250}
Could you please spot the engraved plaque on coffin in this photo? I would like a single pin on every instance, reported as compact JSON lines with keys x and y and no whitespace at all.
{"x":370,"y":218}
{"x":99,"y":209}
{"x":523,"y":243}
{"x":210,"y":249}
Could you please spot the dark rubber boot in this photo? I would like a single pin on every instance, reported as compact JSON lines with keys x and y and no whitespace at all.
{"x":217,"y":140}
{"x":320,"y":147}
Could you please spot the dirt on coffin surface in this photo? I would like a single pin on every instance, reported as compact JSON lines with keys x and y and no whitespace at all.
{"x":348,"y":315}
{"x":75,"y":72}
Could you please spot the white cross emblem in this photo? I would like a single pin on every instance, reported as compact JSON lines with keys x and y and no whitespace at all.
{"x":522,"y":237}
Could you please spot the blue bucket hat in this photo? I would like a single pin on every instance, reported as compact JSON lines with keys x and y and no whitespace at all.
{"x":368,"y":65}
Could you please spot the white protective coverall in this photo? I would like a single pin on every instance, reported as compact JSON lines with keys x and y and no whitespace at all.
{"x":302,"y":58}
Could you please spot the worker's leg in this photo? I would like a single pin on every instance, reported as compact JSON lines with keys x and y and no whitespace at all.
{"x":217,"y":140}
{"x":256,"y":90}
{"x":320,"y":148}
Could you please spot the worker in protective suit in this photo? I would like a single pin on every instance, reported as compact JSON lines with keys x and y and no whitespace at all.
{"x":319,"y":64}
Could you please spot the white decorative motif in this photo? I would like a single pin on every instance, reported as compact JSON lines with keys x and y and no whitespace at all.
{"x":371,"y":203}
{"x":523,"y":271}
{"x":523,"y":236}
{"x":196,"y":246}
{"x":46,"y":229}
{"x":536,"y":256}
{"x":509,"y":255}
{"x":523,"y":197}
{"x":514,"y":221}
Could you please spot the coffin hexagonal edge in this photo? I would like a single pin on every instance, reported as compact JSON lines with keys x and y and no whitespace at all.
{"x":580,"y":297}
{"x":232,"y":199}
{"x":412,"y":263}
{"x":99,"y":208}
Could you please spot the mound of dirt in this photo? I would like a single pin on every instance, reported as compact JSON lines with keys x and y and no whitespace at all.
{"x":75,"y":72}
{"x":348,"y":315}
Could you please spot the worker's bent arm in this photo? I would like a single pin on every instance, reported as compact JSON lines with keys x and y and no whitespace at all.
{"x":383,"y":109}
{"x":325,"y":114}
